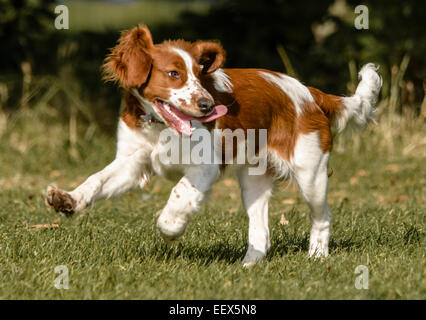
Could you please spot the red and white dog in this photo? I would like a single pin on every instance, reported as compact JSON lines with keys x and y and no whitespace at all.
{"x":180,"y":86}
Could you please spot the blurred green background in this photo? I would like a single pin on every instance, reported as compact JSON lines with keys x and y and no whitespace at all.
{"x":313,"y":40}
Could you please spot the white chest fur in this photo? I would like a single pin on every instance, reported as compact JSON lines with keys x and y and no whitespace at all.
{"x":154,"y":142}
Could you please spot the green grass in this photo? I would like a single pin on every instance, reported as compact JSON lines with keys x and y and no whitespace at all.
{"x":113,"y":250}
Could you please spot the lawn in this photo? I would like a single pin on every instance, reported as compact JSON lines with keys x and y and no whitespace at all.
{"x":113,"y":250}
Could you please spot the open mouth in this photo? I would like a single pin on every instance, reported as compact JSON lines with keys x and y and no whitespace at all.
{"x":180,"y":121}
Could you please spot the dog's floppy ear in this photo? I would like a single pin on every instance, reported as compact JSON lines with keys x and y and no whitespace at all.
{"x":130,"y":61}
{"x":209,"y":54}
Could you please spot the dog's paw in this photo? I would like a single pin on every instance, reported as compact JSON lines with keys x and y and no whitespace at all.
{"x":171,"y":228}
{"x":60,"y":201}
{"x":253,"y":257}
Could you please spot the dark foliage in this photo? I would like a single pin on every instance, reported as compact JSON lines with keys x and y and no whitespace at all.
{"x":249,"y":30}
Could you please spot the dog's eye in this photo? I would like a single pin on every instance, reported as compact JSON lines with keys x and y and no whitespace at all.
{"x":174,"y":74}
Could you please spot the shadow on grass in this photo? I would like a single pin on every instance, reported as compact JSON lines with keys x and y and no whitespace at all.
{"x":200,"y":253}
{"x":231,"y":253}
{"x":283,"y":243}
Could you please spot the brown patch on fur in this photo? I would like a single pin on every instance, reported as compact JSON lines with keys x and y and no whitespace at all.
{"x":179,"y":43}
{"x":132,"y":113}
{"x":165,"y":60}
{"x":248,"y":109}
{"x":255,"y":103}
{"x":313,"y":119}
{"x":330,"y":104}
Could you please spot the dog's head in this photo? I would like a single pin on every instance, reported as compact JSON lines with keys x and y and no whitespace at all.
{"x":166,"y":76}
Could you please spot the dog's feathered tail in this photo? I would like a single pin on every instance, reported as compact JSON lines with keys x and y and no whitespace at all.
{"x":356,"y":110}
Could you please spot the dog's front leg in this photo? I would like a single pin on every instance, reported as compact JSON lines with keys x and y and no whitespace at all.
{"x":131,"y":168}
{"x":185,"y":200}
{"x":124,"y":173}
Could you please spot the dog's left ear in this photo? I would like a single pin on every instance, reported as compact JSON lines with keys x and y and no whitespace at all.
{"x":209,"y":54}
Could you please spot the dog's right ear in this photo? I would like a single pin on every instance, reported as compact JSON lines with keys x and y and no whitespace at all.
{"x":130,"y":61}
{"x":209,"y":54}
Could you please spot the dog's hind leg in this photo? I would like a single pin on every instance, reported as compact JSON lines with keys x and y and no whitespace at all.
{"x":255,"y":192}
{"x":310,"y":170}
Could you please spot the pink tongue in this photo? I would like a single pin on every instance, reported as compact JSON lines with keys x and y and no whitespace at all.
{"x":182,"y":122}
{"x":218,"y":111}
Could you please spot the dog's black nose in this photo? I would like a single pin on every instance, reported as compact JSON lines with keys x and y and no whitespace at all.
{"x":205,"y":105}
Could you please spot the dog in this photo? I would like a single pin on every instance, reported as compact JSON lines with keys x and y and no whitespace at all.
{"x":181,"y":87}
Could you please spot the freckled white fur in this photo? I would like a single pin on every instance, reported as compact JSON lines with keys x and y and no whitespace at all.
{"x":185,"y":199}
{"x":297,"y":92}
{"x":222,"y":83}
{"x":192,"y":85}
